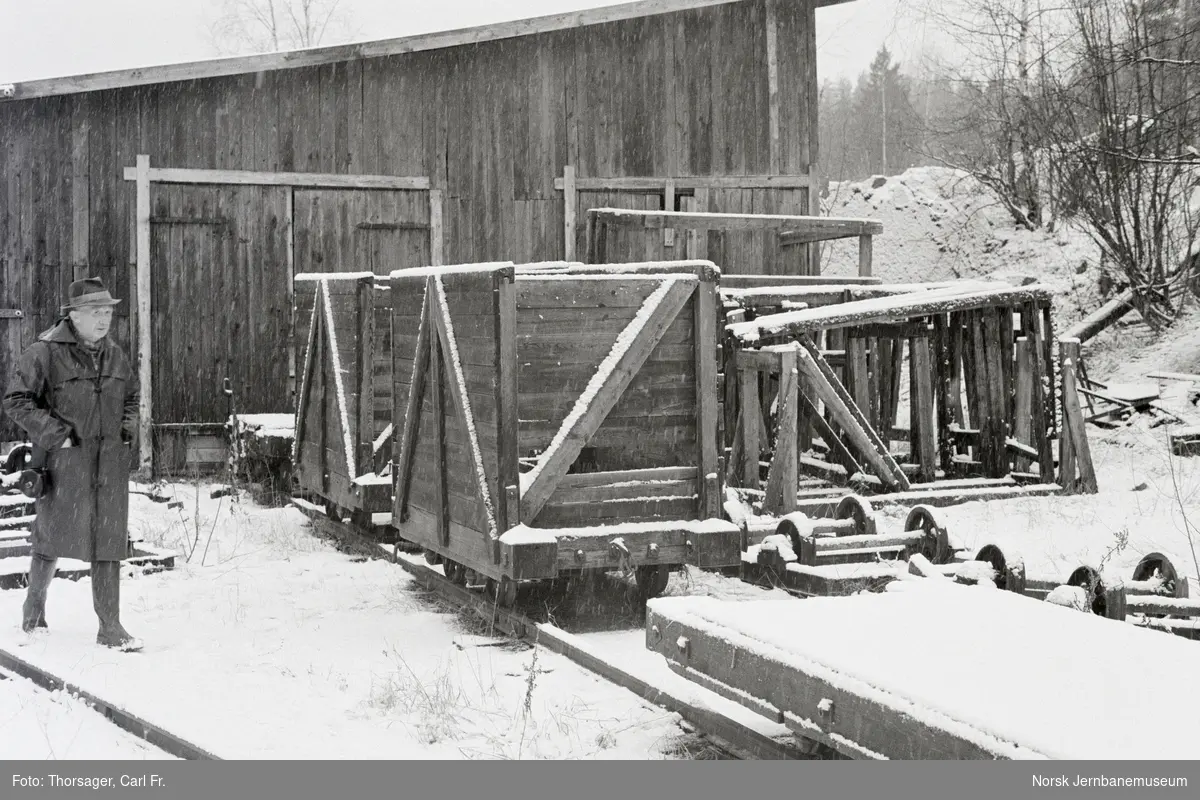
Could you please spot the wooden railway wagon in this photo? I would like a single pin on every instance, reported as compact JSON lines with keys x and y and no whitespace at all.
{"x":549,"y":422}
{"x":342,"y":444}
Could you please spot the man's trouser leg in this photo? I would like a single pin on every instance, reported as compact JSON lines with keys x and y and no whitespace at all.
{"x":106,"y":599}
{"x":41,"y":572}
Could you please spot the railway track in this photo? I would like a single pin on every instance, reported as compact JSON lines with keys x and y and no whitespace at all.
{"x":11,"y":666}
{"x":536,"y":619}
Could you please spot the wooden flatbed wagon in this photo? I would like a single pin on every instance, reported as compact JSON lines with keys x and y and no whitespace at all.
{"x":999,"y":677}
{"x":342,"y":440}
{"x":550,"y":421}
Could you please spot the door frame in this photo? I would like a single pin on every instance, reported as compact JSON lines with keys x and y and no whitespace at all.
{"x":143,"y":175}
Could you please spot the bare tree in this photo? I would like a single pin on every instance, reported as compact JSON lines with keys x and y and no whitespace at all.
{"x":261,"y":26}
{"x":1121,"y":123}
{"x":987,"y":131}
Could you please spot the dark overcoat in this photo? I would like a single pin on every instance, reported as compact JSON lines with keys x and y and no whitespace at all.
{"x":59,"y":391}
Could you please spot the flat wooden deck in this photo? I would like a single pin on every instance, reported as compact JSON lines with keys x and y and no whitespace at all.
{"x":941,"y":671}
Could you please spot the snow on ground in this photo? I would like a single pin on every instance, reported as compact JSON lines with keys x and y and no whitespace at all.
{"x":37,"y":725}
{"x":268,"y":643}
{"x":941,"y":224}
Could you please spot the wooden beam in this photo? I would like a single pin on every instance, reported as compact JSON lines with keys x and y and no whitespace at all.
{"x":308,"y":180}
{"x":751,"y":476}
{"x":412,"y":411}
{"x":306,"y":383}
{"x":1075,"y":430}
{"x":437,"y":401}
{"x":145,"y":325}
{"x":1101,"y":318}
{"x":1023,"y":408}
{"x":782,"y":476}
{"x":694,"y":182}
{"x":849,"y":417}
{"x":923,"y":430}
{"x":772,"y":56}
{"x":726,"y":222}
{"x":437,"y":234}
{"x":603,"y":391}
{"x":884,"y":309}
{"x":570,"y":207}
{"x":705,"y":311}
{"x":508,"y":423}
{"x":290,"y":235}
{"x":865,"y":250}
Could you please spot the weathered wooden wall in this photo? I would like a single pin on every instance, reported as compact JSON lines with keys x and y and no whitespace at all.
{"x":491,"y":124}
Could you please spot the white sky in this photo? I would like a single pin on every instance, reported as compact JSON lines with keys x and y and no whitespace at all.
{"x":49,"y":38}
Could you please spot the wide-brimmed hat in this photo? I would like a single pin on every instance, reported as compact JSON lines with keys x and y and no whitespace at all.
{"x":88,"y":292}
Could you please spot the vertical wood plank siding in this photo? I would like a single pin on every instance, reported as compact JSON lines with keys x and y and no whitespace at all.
{"x":491,"y":124}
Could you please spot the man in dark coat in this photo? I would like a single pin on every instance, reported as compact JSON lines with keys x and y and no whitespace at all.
{"x":75,"y":395}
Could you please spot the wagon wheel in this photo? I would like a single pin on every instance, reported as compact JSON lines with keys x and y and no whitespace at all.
{"x":502,"y":592}
{"x":652,"y":579}
{"x":432,"y":558}
{"x":333,"y":511}
{"x":455,"y":571}
{"x":1159,"y":564}
{"x":858,"y":509}
{"x":1089,"y":580}
{"x":936,"y":544}
{"x":993,"y":555}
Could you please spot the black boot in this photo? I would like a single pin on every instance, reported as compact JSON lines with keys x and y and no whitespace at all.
{"x":41,"y":572}
{"x":106,"y":598}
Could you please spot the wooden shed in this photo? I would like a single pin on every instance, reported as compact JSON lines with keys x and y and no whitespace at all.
{"x":197,"y":191}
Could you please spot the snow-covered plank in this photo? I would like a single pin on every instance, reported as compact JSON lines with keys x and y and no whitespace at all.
{"x":339,"y":382}
{"x":883,"y":309}
{"x":989,"y":690}
{"x":602,"y":392}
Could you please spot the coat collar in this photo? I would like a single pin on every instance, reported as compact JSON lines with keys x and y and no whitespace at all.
{"x":63,"y":332}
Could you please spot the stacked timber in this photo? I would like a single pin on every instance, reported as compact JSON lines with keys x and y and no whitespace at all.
{"x":977,"y":359}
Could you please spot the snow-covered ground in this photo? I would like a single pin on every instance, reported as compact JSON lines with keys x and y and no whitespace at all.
{"x":38,"y":725}
{"x":269,"y":643}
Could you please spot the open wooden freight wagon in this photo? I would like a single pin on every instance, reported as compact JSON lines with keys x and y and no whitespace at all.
{"x":552,"y":421}
{"x":342,"y":445}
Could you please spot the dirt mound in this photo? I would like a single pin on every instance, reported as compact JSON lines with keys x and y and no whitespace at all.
{"x":942,"y":224}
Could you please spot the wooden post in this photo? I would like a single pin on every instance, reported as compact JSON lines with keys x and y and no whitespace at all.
{"x":954,"y":343}
{"x":997,"y":430}
{"x":1081,"y":478}
{"x":1023,"y":405}
{"x":589,"y":236}
{"x":774,"y":149}
{"x":669,"y":205}
{"x":858,"y":375}
{"x":750,"y":423}
{"x":941,"y":371}
{"x":782,"y":479}
{"x":1114,"y":602}
{"x":924,"y":443}
{"x":437,"y":239}
{"x":364,"y":351}
{"x":437,"y":403}
{"x":864,"y":255}
{"x":706,"y":397}
{"x":290,"y":235}
{"x":145,"y":320}
{"x":1043,"y":384}
{"x":570,"y":208}
{"x":508,"y":426}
